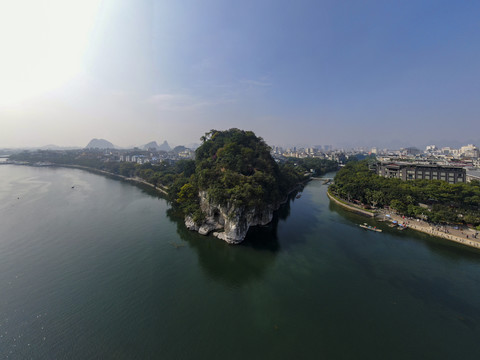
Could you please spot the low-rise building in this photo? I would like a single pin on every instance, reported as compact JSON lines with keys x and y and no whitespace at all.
{"x":409,"y":171}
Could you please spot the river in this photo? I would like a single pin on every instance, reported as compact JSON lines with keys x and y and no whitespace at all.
{"x":95,"y":268}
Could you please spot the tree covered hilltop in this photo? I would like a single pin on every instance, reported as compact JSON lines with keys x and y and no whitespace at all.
{"x":236,"y":184}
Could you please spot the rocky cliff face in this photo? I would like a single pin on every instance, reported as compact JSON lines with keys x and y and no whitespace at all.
{"x":234,"y":221}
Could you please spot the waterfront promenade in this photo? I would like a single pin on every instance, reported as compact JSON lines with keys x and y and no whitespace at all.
{"x":461,"y":235}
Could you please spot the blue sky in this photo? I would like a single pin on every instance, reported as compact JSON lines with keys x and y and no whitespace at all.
{"x":347,"y":73}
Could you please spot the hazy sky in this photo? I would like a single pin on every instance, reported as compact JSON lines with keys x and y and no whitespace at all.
{"x":384,"y":73}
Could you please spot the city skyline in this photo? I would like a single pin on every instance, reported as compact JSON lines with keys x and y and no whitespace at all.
{"x":350,"y":75}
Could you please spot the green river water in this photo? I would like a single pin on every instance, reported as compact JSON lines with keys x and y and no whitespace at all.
{"x":103,"y":270}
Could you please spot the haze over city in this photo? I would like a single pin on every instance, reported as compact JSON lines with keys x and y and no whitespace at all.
{"x":369,"y":73}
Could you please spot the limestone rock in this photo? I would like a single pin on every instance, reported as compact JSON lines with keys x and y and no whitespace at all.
{"x":190,"y":224}
{"x":208,"y":226}
{"x":235,"y":221}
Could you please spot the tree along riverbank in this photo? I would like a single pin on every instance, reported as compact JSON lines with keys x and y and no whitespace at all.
{"x":462,"y":236}
{"x":349,"y":206}
{"x":435,"y":201}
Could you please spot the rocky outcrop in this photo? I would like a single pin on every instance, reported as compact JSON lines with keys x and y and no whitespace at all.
{"x":235,"y":221}
{"x":190,"y":224}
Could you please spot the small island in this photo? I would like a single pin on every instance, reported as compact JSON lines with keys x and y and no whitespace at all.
{"x":236,"y":184}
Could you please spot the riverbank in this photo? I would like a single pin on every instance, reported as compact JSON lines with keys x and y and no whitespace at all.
{"x":125,"y":178}
{"x":460,"y":236}
{"x":349,"y":206}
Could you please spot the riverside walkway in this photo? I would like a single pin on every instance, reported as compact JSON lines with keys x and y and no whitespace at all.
{"x":461,"y":235}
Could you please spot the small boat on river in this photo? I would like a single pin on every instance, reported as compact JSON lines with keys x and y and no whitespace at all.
{"x":369,"y":227}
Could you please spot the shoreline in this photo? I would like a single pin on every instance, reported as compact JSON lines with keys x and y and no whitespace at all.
{"x":449,"y":233}
{"x":350,"y":207}
{"x":130,"y":179}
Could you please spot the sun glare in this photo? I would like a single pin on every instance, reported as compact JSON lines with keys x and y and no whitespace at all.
{"x":42,"y":45}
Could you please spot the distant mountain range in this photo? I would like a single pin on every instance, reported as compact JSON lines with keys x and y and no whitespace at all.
{"x":100,"y":144}
{"x":150,"y":145}
{"x":105,"y":144}
{"x":154,"y":145}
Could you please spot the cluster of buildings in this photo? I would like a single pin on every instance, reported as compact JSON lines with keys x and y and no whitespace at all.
{"x":154,"y":157}
{"x":465,"y":154}
{"x":317,"y":151}
{"x":314,"y":151}
{"x":468,"y":151}
{"x":135,"y":155}
{"x":447,"y":164}
{"x":433,"y":163}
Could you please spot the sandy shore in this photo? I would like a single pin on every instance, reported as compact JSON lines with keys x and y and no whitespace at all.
{"x":462,"y":236}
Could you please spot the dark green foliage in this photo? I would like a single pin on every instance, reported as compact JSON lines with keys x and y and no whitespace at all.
{"x":447,"y":203}
{"x":235,"y":167}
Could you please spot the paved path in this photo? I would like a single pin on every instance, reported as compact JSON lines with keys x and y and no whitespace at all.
{"x":461,"y":235}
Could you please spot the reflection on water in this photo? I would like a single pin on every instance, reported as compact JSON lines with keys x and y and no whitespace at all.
{"x":235,"y":264}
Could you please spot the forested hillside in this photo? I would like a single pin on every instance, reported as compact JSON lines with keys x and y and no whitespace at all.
{"x":235,"y":166}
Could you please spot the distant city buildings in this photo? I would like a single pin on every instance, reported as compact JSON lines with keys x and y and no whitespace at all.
{"x":434,"y":163}
{"x":469,"y":151}
{"x":153,"y":156}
